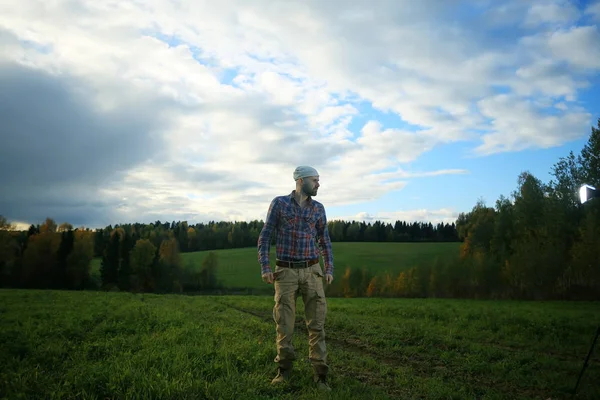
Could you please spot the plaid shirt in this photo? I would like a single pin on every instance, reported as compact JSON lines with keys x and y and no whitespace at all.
{"x":299,"y":230}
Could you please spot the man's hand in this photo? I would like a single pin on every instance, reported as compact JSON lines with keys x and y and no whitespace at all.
{"x":329,"y":278}
{"x":267,"y":277}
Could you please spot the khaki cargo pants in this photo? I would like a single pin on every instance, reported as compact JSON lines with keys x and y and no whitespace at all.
{"x":289,"y":283}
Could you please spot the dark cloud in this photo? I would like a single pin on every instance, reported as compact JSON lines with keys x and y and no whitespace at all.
{"x":58,"y":150}
{"x":197,"y":176}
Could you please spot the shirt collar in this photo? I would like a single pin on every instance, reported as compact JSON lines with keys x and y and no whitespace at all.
{"x":293,"y":197}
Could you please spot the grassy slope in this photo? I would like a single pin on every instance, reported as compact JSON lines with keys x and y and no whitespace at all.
{"x":120,"y":345}
{"x":240,"y":268}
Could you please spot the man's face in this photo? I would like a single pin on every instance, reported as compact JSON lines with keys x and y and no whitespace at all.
{"x":310,"y":185}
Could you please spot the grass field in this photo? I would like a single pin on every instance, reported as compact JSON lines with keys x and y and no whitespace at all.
{"x":96,"y":345}
{"x":239,"y":268}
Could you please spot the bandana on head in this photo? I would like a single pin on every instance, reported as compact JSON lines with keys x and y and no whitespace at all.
{"x":303,"y":171}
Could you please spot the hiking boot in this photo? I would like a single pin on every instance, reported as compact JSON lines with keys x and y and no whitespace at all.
{"x":283,"y":375}
{"x":321,"y":381}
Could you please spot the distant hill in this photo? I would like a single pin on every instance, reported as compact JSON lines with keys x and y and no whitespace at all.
{"x":239,"y":268}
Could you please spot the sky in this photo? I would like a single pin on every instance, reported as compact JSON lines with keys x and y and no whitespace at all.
{"x":177,"y":110}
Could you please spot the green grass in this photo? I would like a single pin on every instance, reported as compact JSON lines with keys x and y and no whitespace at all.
{"x":239,"y":268}
{"x":96,"y":345}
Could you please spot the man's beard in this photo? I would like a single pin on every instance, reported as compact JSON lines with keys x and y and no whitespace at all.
{"x":308,"y":190}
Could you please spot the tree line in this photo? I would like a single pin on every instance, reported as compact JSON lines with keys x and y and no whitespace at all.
{"x":539,"y":243}
{"x":51,"y":256}
{"x":146,"y":257}
{"x":230,"y":235}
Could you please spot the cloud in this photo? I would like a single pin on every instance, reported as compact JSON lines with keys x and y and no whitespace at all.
{"x":579,"y":46}
{"x":525,"y":121}
{"x":593,"y":10}
{"x":553,"y":13}
{"x":171,"y":110}
{"x":57,"y":149}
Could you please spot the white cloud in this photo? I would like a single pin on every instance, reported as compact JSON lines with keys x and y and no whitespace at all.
{"x":525,"y":121}
{"x":553,"y":12}
{"x":579,"y":46}
{"x":593,"y":10}
{"x":298,"y":71}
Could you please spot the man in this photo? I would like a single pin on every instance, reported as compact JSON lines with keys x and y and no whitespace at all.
{"x":300,"y":225}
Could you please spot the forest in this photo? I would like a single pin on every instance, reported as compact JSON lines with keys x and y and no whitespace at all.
{"x":539,"y":242}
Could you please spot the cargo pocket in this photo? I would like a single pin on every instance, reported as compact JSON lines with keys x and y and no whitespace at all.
{"x":319,"y":302}
{"x":277,"y":309}
{"x":279,"y":274}
{"x":317,"y":271}
{"x":320,"y":307}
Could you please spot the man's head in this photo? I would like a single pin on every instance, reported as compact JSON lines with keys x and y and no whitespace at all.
{"x":307,"y":180}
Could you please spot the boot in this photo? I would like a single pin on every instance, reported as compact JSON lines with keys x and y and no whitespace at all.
{"x":321,"y":381}
{"x":283,"y":375}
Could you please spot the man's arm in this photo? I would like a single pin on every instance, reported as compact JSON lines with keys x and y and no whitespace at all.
{"x":264,"y":238}
{"x":325,"y":243}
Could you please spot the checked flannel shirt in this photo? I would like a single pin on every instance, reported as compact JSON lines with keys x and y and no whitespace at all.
{"x":302,"y":233}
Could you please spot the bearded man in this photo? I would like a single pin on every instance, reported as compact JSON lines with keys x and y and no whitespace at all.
{"x":300,"y":225}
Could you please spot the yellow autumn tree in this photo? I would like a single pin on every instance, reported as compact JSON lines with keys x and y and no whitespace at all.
{"x":387,"y":289}
{"x":170,"y":265}
{"x":64,"y":227}
{"x":372,"y":289}
{"x":400,"y":285}
{"x":345,"y":283}
{"x":48,"y":226}
{"x":39,"y":258}
{"x":191,"y":236}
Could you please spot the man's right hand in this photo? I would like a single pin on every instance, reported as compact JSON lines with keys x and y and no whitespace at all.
{"x":267,"y":277}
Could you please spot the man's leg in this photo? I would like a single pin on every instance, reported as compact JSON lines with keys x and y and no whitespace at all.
{"x":284,"y":315}
{"x":315,"y":306}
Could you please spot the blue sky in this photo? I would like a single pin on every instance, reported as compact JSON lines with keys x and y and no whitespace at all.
{"x":488,"y":177}
{"x":182,"y":112}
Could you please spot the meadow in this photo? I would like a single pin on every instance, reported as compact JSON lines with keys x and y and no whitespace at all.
{"x":239,"y":268}
{"x":105,"y":345}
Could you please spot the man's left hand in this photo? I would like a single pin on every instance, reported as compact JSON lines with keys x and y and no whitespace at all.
{"x":329,"y":278}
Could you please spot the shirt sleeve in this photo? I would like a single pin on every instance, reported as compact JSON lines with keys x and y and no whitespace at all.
{"x":325,"y":242}
{"x":264,"y":238}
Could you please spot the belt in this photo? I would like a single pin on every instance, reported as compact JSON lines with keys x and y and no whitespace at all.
{"x":297,"y":264}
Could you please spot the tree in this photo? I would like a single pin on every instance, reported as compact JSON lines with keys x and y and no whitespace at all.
{"x":401,"y":285}
{"x":345,"y":283}
{"x":124,"y":272}
{"x":48,"y":226}
{"x":191,"y":235}
{"x":387,"y":289}
{"x":8,"y":252}
{"x":39,"y":259}
{"x":208,"y":272}
{"x":584,"y":270}
{"x":477,"y":229}
{"x":532,"y":238}
{"x":5,"y":225}
{"x":142,"y":260}
{"x":590,"y":158}
{"x":569,"y":174}
{"x":372,"y":289}
{"x":170,"y":266}
{"x":64,"y":249}
{"x":111,"y":260}
{"x":65,"y":227}
{"x":79,"y":259}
